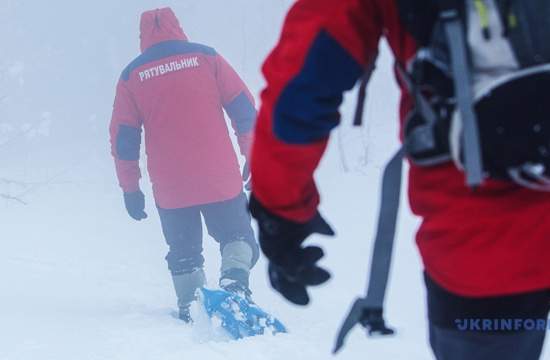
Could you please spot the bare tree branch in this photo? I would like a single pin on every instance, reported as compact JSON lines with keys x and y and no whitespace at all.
{"x":12,"y":198}
{"x":19,"y":135}
{"x":13,"y":182}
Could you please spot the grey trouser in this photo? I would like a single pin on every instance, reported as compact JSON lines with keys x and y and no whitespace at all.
{"x":228,"y":222}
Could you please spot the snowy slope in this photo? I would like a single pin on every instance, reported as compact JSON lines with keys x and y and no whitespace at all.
{"x":80,"y":280}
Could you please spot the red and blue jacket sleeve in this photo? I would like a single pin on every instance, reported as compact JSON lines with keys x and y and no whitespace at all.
{"x":324,"y":49}
{"x":238,"y":103}
{"x":125,"y":131}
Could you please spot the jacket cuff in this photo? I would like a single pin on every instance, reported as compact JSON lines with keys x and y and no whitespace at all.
{"x":130,"y":187}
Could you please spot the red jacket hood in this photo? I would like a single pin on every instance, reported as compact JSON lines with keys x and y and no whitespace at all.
{"x":159,"y":25}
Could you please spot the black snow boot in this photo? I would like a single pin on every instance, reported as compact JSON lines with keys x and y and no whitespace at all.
{"x":185,"y":315}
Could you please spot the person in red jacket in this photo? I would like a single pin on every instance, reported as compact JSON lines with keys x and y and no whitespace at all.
{"x":485,"y":253}
{"x":177,"y":92}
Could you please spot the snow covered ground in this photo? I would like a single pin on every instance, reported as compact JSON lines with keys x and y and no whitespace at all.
{"x":80,"y":280}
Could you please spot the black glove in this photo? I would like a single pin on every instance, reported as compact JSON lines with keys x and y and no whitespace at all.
{"x":247,"y":179}
{"x":135,"y":205}
{"x":292,"y":267}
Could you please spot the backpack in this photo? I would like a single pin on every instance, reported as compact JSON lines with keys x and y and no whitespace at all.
{"x":481,"y":87}
{"x":477,"y":83}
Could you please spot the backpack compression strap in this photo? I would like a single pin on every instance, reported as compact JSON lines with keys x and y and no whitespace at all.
{"x":422,"y":138}
{"x":450,"y":16}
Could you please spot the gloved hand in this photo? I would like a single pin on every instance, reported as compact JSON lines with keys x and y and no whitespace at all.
{"x":292,"y":267}
{"x":247,"y":179}
{"x":135,"y":205}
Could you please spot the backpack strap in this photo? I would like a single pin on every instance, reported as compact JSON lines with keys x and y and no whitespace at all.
{"x":454,"y":29}
{"x":361,"y":99}
{"x":362,"y":96}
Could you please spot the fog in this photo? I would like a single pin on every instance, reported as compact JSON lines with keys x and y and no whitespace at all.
{"x":80,"y":280}
{"x":61,"y":60}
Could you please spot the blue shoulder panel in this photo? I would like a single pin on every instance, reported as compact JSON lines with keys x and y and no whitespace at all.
{"x":307,"y":109}
{"x":128,"y":143}
{"x":163,"y":50}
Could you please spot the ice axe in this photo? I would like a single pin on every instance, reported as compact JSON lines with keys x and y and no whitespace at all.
{"x":369,"y":317}
{"x":368,"y":311}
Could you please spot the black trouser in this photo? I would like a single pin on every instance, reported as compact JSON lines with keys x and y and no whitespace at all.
{"x":500,"y":328}
{"x":226,"y":221}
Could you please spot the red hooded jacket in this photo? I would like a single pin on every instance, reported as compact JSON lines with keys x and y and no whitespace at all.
{"x":492,"y":242}
{"x":177,"y":92}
